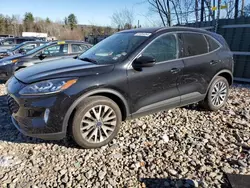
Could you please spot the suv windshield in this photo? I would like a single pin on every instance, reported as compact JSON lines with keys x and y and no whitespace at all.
{"x":115,"y":48}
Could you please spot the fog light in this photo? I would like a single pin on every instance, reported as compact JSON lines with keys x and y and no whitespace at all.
{"x":46,"y":115}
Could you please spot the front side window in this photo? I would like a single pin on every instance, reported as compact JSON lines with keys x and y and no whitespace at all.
{"x":56,"y":50}
{"x":115,"y":48}
{"x":163,"y":48}
{"x":194,"y":44}
{"x":29,"y":47}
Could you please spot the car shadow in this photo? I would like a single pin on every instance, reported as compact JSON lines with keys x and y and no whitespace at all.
{"x":176,"y":183}
{"x":9,"y":133}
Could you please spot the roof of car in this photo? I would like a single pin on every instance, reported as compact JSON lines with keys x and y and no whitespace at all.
{"x":162,"y":29}
{"x":69,"y":41}
{"x":36,"y":41}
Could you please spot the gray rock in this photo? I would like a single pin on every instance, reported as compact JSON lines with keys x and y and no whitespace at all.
{"x":101,"y":174}
{"x":89,"y":174}
{"x":62,"y":172}
{"x":173,"y":172}
{"x":228,"y":170}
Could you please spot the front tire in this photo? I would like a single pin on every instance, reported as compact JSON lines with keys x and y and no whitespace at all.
{"x":96,"y":122}
{"x":217,"y":94}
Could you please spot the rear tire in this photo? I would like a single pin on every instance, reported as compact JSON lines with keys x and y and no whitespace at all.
{"x":217,"y":94}
{"x":96,"y":122}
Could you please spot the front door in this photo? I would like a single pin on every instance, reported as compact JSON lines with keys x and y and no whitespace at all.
{"x":54,"y":52}
{"x":155,"y":88}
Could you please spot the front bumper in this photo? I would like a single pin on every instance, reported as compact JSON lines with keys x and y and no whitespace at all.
{"x":48,"y":136}
{"x":28,"y":112}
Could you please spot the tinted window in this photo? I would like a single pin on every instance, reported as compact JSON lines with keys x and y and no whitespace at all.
{"x":19,"y":41}
{"x":162,"y":49}
{"x":56,"y":50}
{"x":8,"y":42}
{"x":77,"y":48}
{"x":194,"y":44}
{"x":212,"y":44}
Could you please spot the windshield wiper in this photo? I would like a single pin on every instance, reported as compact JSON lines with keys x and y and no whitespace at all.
{"x":88,"y":59}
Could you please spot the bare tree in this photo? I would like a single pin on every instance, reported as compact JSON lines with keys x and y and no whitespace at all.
{"x":247,"y":10}
{"x":185,"y":9}
{"x":123,"y":18}
{"x":162,"y":7}
{"x":230,"y":8}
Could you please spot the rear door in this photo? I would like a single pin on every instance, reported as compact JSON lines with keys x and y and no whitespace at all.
{"x":201,"y":61}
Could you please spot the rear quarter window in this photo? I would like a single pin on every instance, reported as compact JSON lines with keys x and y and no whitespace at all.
{"x":212,"y":44}
{"x":194,"y":44}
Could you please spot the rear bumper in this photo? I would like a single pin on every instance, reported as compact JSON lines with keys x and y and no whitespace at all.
{"x":46,"y":136}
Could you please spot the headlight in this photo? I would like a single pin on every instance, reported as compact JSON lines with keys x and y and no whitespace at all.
{"x":9,"y":62}
{"x":47,"y":87}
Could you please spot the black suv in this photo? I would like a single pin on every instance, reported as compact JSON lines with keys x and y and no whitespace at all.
{"x":130,"y":73}
{"x":47,"y":52}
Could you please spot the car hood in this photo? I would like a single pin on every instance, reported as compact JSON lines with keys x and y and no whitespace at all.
{"x":11,"y":57}
{"x":68,"y":67}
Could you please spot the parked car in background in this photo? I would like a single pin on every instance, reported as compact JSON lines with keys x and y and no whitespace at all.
{"x":22,"y":48}
{"x":10,"y":42}
{"x":129,"y":74}
{"x":47,"y":52}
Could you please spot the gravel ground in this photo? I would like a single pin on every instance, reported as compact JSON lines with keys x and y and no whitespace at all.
{"x":184,"y":147}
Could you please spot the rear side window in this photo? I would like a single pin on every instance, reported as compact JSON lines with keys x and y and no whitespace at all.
{"x":194,"y":44}
{"x":212,"y":44}
{"x":163,"y":48}
{"x":77,"y":48}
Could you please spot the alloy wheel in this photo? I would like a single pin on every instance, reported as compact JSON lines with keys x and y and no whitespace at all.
{"x":219,"y":93}
{"x":98,"y":123}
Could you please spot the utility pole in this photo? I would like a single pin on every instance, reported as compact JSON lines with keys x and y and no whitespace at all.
{"x":242,"y":7}
{"x":218,"y":16}
{"x":236,"y":8}
{"x":202,"y":10}
{"x":196,"y":10}
{"x":214,"y":10}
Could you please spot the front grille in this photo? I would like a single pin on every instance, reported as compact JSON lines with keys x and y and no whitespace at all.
{"x":13,"y":105}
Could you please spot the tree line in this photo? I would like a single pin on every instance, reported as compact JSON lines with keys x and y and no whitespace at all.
{"x":66,"y":29}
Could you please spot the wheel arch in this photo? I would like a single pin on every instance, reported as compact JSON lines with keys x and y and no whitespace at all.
{"x":110,"y":93}
{"x":224,"y":73}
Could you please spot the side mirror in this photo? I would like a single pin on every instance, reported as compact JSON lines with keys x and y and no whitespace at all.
{"x":21,"y":51}
{"x":144,"y":61}
{"x":42,"y":56}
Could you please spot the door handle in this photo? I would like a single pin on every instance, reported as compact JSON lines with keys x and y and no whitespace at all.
{"x":213,"y":62}
{"x":175,"y":70}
